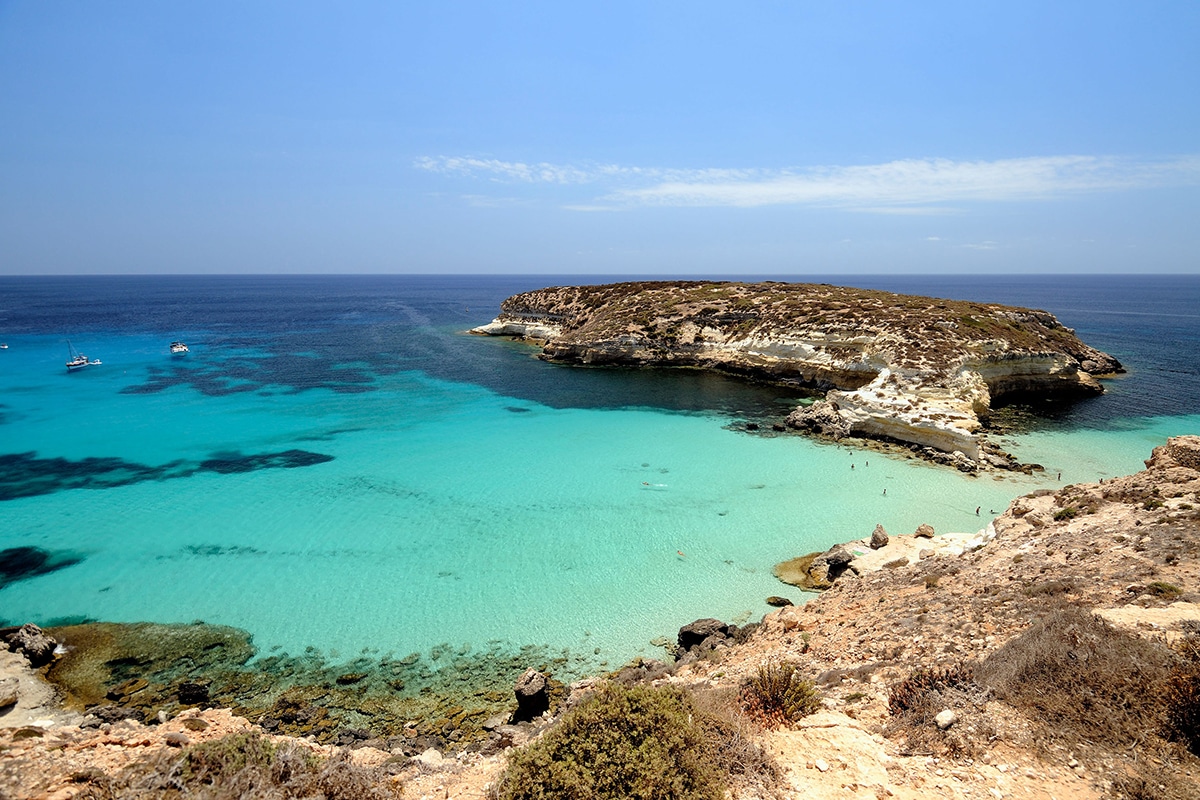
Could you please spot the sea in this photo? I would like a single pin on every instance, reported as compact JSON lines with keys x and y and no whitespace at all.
{"x":338,"y":468}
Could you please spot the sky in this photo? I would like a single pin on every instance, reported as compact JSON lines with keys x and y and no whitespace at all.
{"x":700,"y":138}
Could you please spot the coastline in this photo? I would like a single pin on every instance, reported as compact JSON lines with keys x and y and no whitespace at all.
{"x":1076,"y":548}
{"x":920,"y":371}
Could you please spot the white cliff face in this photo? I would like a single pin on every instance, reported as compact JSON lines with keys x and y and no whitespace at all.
{"x":533,"y":331}
{"x":906,"y":410}
{"x":915,"y":370}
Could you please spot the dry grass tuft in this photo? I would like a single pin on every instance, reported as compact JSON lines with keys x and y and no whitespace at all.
{"x":1182,"y":695}
{"x":244,"y":766}
{"x":1082,"y":679}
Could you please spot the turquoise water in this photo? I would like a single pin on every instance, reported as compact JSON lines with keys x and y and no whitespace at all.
{"x":446,"y":510}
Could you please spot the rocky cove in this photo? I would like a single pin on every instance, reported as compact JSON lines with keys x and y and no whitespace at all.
{"x":1031,"y":659}
{"x":919,"y":371}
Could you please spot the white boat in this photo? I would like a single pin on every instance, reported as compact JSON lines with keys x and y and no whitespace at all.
{"x":178,"y":348}
{"x":78,"y":360}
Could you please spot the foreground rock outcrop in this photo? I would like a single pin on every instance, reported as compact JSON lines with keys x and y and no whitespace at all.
{"x":917,"y":370}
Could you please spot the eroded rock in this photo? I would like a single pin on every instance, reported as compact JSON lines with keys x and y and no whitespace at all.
{"x":33,"y":643}
{"x":533,"y":695}
{"x":879,"y":538}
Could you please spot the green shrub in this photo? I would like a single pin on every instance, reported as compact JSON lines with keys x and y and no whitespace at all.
{"x":636,"y":743}
{"x":1070,"y":512}
{"x":778,"y":695}
{"x":1164,"y":589}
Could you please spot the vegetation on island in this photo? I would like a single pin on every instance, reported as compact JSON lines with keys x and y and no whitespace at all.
{"x":916,"y":330}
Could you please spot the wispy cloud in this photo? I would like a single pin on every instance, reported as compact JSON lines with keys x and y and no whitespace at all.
{"x":912,"y":186}
{"x":544,"y":172}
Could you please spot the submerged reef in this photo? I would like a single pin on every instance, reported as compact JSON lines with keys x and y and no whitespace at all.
{"x":137,"y":671}
{"x":18,"y":563}
{"x":921,"y":371}
{"x":26,"y":475}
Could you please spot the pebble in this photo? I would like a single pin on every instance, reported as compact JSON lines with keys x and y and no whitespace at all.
{"x":945,"y":719}
{"x":821,"y":764}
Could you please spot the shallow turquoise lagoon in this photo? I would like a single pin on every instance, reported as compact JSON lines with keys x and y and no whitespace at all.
{"x":450,"y":514}
{"x":346,"y":478}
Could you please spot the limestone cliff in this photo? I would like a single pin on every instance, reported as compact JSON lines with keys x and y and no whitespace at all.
{"x":917,"y":370}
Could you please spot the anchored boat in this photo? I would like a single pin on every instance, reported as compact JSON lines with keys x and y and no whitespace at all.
{"x":77,"y":360}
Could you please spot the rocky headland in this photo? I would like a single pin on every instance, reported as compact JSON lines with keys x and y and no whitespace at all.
{"x":920,"y":371}
{"x":1055,"y":653}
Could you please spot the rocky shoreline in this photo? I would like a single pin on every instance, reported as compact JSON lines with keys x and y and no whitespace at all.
{"x":1114,"y":567}
{"x":923,"y":372}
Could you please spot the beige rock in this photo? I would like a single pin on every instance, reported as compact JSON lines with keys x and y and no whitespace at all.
{"x":8,"y":692}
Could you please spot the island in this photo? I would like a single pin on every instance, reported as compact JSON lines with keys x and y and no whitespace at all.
{"x":921,"y":371}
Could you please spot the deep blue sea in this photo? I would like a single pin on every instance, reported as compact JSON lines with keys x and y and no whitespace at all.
{"x":337,"y":467}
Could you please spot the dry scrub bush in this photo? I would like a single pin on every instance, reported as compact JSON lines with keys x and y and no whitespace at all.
{"x":915,"y":691}
{"x":244,"y":766}
{"x":1183,"y":695}
{"x":1084,"y":680}
{"x":637,"y":743}
{"x":915,"y":701}
{"x":730,"y":745}
{"x":778,"y":695}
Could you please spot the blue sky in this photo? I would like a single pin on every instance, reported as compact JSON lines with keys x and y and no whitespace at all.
{"x":682,"y":138}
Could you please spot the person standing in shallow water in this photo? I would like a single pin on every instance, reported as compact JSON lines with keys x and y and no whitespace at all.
{"x":977,"y":510}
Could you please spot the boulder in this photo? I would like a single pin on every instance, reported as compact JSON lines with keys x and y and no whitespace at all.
{"x":879,"y":538}
{"x":925,"y":531}
{"x":497,"y":721}
{"x":694,"y":634}
{"x":533,"y":695}
{"x":36,"y":645}
{"x":191,"y":694}
{"x":1038,"y":519}
{"x":1181,"y":451}
{"x":8,"y":692}
{"x":778,"y":602}
{"x":822,"y":417}
{"x":829,"y":566}
{"x":816,"y":572}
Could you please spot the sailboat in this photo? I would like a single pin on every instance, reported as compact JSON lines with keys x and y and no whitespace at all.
{"x":78,"y":360}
